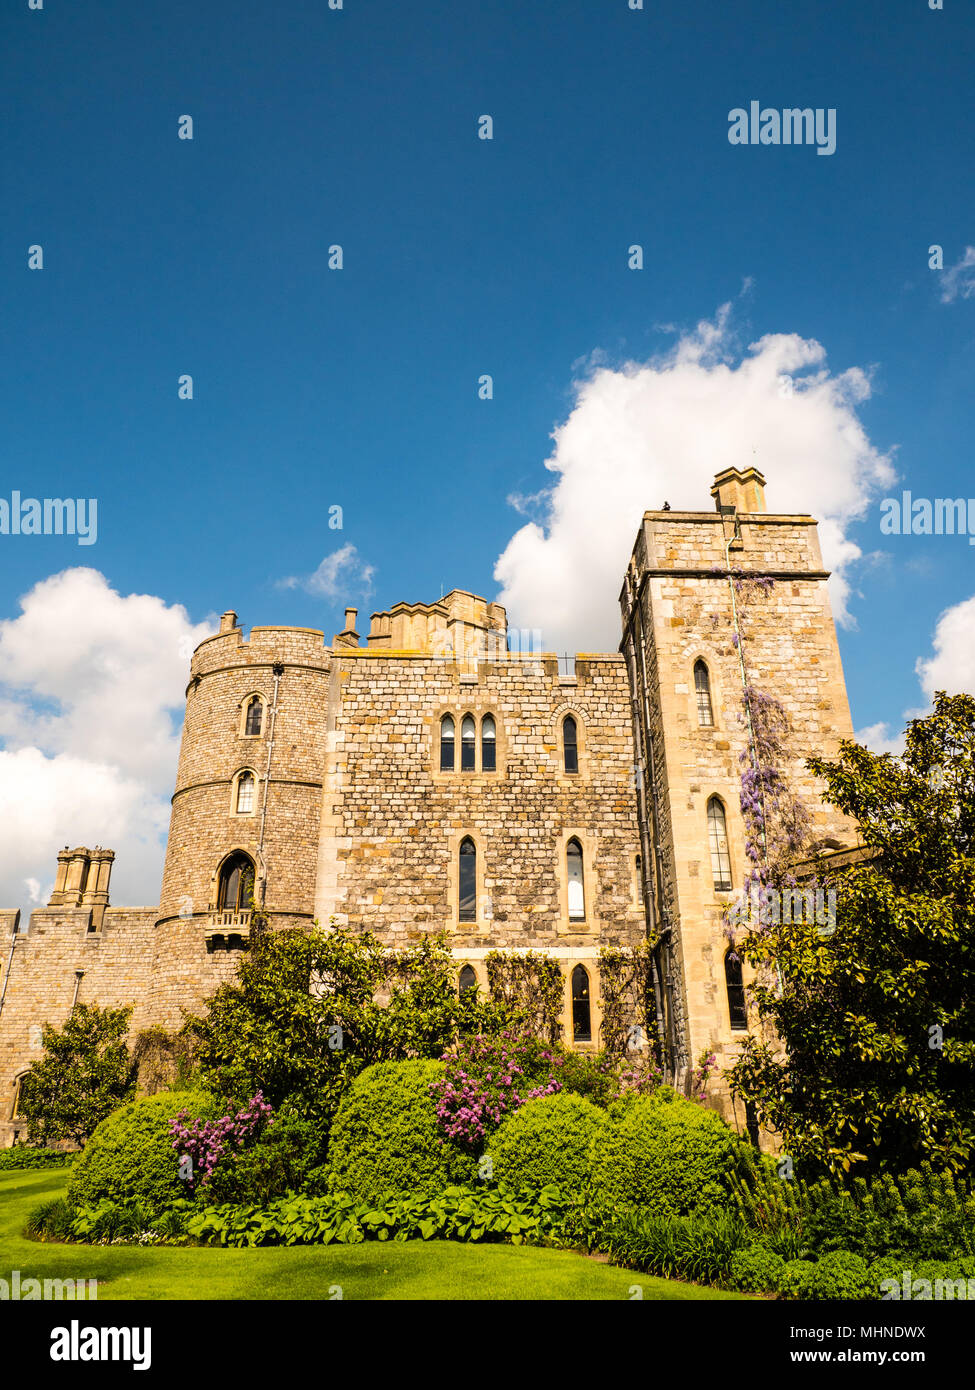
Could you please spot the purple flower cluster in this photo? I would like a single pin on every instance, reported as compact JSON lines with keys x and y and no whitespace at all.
{"x":699,"y":1077}
{"x":487,"y":1079}
{"x":205,"y":1142}
{"x":641,"y":1076}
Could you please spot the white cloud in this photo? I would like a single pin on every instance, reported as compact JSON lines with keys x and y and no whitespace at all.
{"x":958,"y":281}
{"x":91,"y":696}
{"x":342,"y":572}
{"x":643,"y":433}
{"x":879,"y":739}
{"x":951,"y":667}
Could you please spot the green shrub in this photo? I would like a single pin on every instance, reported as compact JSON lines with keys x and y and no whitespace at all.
{"x":280,"y":1161}
{"x":131,"y":1155}
{"x":839,"y":1274}
{"x":948,"y":1272}
{"x":24,"y":1156}
{"x":797,"y":1279}
{"x":842,"y":1274}
{"x":385,"y":1139}
{"x":890,"y":1267}
{"x":917,"y":1215}
{"x":755,"y":1270}
{"x":592,"y":1076}
{"x":548,"y":1140}
{"x":664,"y":1154}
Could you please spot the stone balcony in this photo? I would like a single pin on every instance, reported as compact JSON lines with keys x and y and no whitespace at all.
{"x":228,"y":931}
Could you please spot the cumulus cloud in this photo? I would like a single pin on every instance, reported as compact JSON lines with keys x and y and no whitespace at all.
{"x":880,"y":739}
{"x":958,"y":280}
{"x":340,"y":573}
{"x":642,"y":433}
{"x":951,"y":666}
{"x":91,"y":695}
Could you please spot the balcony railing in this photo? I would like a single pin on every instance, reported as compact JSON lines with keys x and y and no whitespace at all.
{"x":228,"y":931}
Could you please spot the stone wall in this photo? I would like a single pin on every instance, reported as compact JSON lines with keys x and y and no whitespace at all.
{"x":286,"y":665}
{"x":116,"y":970}
{"x":393,"y":822}
{"x":353,"y":819}
{"x":688,"y":609}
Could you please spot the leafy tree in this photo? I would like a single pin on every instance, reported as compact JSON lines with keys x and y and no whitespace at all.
{"x":869,"y":1043}
{"x":311,"y":1009}
{"x":86,"y":1073}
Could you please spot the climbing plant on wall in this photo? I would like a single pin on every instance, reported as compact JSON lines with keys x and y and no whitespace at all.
{"x":531,"y":987}
{"x":626,"y":994}
{"x":776,"y":820}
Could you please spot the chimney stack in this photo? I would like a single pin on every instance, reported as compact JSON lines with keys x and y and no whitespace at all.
{"x":742,"y":491}
{"x":348,"y":637}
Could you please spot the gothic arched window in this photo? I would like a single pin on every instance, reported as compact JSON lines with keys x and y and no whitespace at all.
{"x":737,"y":1009}
{"x":245,"y":794}
{"x":447,"y":743}
{"x":235,"y":891}
{"x":467,"y":980}
{"x":581,"y":1015}
{"x":574,"y":878}
{"x":702,"y":690}
{"x":467,"y":882}
{"x":488,"y":744}
{"x":718,"y":842}
{"x":570,"y":747}
{"x":468,"y":743}
{"x":254,"y":719}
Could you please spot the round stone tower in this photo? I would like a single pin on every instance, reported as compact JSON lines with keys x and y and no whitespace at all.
{"x":246,"y":812}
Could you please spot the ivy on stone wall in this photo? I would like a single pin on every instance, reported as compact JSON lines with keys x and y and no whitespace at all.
{"x":531,"y":986}
{"x":626,"y":994}
{"x":776,"y":820}
{"x":162,"y":1059}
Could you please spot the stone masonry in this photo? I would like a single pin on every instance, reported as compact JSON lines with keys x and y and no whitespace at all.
{"x":317,"y":768}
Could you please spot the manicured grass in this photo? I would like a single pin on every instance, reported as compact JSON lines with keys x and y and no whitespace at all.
{"x":393,"y":1270}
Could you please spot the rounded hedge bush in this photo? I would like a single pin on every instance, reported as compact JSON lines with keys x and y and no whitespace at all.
{"x":385,"y":1140}
{"x":755,"y":1270}
{"x":666,"y":1154}
{"x":547,"y":1140}
{"x":130,"y":1155}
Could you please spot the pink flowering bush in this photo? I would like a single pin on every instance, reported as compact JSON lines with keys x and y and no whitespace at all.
{"x":640,"y":1074}
{"x":487,"y":1078}
{"x":205,"y":1142}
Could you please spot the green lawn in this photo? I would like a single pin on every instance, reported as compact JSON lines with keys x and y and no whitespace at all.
{"x":397,"y":1270}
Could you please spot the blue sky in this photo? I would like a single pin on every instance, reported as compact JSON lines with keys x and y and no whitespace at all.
{"x":358,"y":387}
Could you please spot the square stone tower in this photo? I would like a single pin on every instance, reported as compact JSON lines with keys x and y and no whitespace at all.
{"x":714,"y":603}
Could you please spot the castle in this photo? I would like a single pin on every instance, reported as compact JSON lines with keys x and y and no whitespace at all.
{"x":438,"y":778}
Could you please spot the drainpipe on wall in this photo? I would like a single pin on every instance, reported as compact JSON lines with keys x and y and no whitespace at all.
{"x":652,"y":869}
{"x":675,"y":1058}
{"x":79,"y":975}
